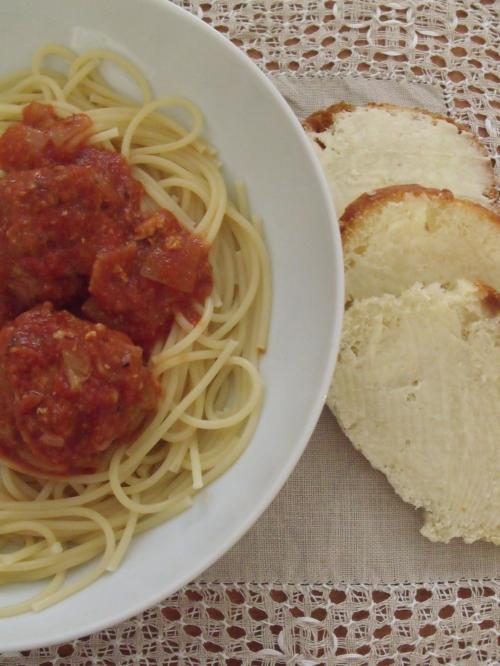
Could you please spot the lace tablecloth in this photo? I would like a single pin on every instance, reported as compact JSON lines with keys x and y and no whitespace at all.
{"x":449,"y":47}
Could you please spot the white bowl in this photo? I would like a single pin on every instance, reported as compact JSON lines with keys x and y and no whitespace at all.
{"x":261,"y":143}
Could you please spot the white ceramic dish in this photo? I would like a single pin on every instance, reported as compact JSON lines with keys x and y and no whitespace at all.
{"x":261,"y":143}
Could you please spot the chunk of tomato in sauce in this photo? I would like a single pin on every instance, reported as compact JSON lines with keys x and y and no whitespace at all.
{"x":176,"y":258}
{"x":42,"y":138}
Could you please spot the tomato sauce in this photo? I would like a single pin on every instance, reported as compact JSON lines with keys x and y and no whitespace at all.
{"x":42,"y":139}
{"x":71,"y":215}
{"x":73,"y":232}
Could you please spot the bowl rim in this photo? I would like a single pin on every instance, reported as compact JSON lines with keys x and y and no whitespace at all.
{"x":301,"y":440}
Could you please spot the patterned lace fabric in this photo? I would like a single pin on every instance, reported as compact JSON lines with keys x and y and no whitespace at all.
{"x":455,"y":45}
{"x":210,"y":624}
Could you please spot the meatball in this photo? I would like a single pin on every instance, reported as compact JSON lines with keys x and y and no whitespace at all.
{"x":53,"y":222}
{"x":122,"y":194}
{"x":46,"y":216}
{"x":138,"y":287}
{"x":61,"y":202}
{"x":69,"y":389}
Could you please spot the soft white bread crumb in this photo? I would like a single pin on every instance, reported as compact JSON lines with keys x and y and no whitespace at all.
{"x":399,"y":235}
{"x":362,"y":148}
{"x":417,"y":391}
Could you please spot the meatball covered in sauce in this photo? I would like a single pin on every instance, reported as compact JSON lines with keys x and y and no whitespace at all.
{"x":138,"y":287}
{"x":53,"y":222}
{"x":61,"y":202}
{"x":69,"y":389}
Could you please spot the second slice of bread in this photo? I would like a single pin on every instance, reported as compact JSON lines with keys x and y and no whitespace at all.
{"x":400,"y":235}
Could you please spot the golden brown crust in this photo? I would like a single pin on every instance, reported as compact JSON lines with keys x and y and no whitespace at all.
{"x":369,"y":201}
{"x":323,"y":119}
{"x":490,"y":298}
{"x":423,"y":112}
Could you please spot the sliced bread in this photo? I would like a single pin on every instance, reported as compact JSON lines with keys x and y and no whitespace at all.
{"x":362,"y":148}
{"x":417,"y":391}
{"x":399,"y":235}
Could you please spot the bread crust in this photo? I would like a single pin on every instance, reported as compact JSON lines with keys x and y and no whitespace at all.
{"x":369,"y":201}
{"x":323,"y":119}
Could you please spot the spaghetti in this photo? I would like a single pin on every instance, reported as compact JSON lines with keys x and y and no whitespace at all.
{"x":211,"y":388}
